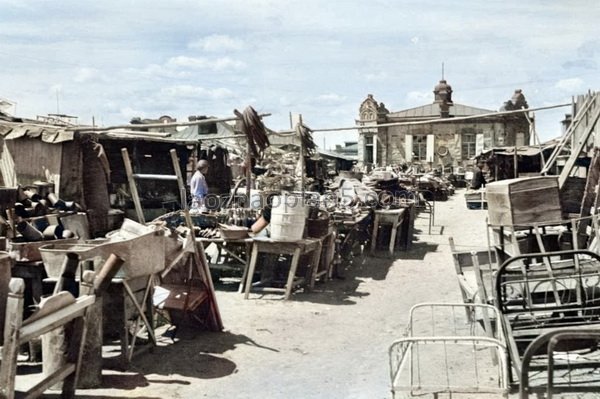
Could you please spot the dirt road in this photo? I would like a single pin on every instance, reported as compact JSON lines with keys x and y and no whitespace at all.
{"x":330,"y":343}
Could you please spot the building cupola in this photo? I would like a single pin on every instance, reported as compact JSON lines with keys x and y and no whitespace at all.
{"x":443,"y":92}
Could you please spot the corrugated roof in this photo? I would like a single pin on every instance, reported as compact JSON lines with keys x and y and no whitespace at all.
{"x":433,"y":111}
{"x":48,"y":133}
{"x":55,"y":134}
{"x":338,"y":155}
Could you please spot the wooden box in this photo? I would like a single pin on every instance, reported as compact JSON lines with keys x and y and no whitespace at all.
{"x":524,"y":201}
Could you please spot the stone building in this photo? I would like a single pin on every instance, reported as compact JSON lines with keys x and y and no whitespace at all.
{"x":446,"y":142}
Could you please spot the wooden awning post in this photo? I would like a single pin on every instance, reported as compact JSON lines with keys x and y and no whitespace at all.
{"x":516,"y":162}
{"x":302,"y":163}
{"x":248,"y":173}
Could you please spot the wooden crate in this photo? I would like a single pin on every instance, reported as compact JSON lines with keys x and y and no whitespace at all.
{"x":524,"y":201}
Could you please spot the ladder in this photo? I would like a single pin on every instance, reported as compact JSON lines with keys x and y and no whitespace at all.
{"x":198,"y":255}
{"x":590,"y":106}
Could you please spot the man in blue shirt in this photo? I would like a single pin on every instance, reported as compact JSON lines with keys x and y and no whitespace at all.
{"x":198,"y":186}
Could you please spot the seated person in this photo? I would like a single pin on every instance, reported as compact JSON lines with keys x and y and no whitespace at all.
{"x":263,"y":221}
{"x":265,"y":217}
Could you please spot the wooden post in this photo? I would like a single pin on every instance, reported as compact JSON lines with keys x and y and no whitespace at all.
{"x":78,"y":339}
{"x":91,"y":375}
{"x":54,"y":342}
{"x":302,"y":161}
{"x":10,"y":350}
{"x":182,"y":192}
{"x":6,"y":263}
{"x":248,"y":174}
{"x":516,"y":162}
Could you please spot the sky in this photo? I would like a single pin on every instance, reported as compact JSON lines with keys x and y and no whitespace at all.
{"x":110,"y":61}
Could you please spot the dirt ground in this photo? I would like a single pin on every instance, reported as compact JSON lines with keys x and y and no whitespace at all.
{"x":329,"y":343}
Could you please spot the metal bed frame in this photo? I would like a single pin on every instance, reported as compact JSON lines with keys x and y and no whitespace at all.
{"x":570,"y":363}
{"x":546,"y":301}
{"x":439,"y":341}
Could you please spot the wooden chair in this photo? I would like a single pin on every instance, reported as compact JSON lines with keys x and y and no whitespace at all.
{"x":59,"y":310}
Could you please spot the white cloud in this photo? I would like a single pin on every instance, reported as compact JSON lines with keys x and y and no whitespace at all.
{"x":414,"y":39}
{"x":376,"y":77}
{"x":85,"y":74}
{"x":181,"y":67}
{"x":216,"y":43}
{"x":189,"y":91}
{"x":218,"y":64}
{"x":128,"y":113}
{"x":187,"y":62}
{"x":569,"y":85}
{"x":227,"y":63}
{"x":330,"y":98}
{"x":417,"y":98}
{"x":160,"y":71}
{"x":285,"y":101}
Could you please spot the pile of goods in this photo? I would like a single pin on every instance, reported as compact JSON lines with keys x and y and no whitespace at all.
{"x":32,"y":216}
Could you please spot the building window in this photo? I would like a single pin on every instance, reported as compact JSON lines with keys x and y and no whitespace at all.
{"x":368,"y":158}
{"x":469,"y":145}
{"x":420,"y":148}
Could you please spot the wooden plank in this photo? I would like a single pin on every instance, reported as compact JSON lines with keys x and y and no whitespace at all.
{"x":90,"y":376}
{"x":251,"y":269}
{"x":198,"y":254}
{"x":74,"y":354}
{"x":10,"y":350}
{"x":59,"y":375}
{"x":57,"y":319}
{"x":293,"y":267}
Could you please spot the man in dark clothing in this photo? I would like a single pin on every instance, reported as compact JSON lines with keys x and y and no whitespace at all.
{"x":478,"y":180}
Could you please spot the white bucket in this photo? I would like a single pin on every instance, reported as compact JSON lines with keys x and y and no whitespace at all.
{"x":288,"y":217}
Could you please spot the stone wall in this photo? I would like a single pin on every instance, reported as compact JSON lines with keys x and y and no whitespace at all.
{"x":391,"y":146}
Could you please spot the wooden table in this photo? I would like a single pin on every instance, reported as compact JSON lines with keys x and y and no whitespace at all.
{"x":222,"y":245}
{"x":294,"y":248}
{"x":393,"y":216}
